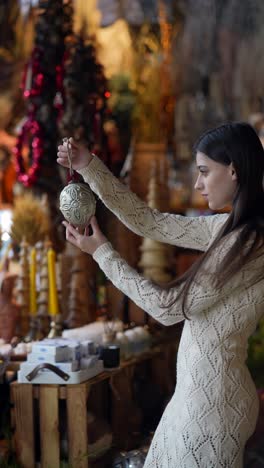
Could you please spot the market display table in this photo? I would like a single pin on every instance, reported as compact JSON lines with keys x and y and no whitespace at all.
{"x":36,"y":411}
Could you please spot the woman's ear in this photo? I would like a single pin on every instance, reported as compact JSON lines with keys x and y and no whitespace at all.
{"x":233,"y":172}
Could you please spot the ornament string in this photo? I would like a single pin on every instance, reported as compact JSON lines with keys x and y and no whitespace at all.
{"x":69,"y":155}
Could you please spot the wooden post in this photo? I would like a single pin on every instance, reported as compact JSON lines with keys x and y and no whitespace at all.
{"x":49,"y":426}
{"x":77,"y":425}
{"x":22,"y":397}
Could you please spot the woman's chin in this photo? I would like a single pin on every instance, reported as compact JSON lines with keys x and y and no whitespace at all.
{"x":218,"y":206}
{"x":213,"y":206}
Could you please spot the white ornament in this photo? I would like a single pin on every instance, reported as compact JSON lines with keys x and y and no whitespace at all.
{"x":77,"y":202}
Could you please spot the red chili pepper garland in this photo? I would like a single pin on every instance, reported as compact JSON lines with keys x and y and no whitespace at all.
{"x":30,"y":128}
{"x":42,"y":86}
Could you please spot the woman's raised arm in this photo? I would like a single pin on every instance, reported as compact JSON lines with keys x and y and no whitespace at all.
{"x":187,"y":232}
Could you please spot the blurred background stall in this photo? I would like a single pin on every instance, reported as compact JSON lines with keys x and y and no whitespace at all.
{"x":136,"y":81}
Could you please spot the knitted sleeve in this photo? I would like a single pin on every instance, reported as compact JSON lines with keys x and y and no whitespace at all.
{"x":187,"y":232}
{"x":164,"y":305}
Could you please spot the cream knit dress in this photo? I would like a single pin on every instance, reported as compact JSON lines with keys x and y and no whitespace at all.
{"x":214,"y":407}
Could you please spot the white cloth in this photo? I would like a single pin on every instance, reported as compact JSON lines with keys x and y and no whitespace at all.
{"x":215,"y":406}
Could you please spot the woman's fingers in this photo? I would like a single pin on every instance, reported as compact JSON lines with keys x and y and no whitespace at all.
{"x":97,"y":234}
{"x":94,"y":225}
{"x":79,"y":155}
{"x":87,"y":243}
{"x":71,"y":229}
{"x":62,"y":156}
{"x":71,"y":232}
{"x":62,"y":148}
{"x":63,"y":152}
{"x":73,"y":144}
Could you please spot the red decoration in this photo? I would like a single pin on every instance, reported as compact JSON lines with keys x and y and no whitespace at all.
{"x":33,"y":83}
{"x":33,"y":77}
{"x":32,"y":129}
{"x":42,"y":88}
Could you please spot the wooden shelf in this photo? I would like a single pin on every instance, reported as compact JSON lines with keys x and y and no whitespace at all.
{"x":36,"y":409}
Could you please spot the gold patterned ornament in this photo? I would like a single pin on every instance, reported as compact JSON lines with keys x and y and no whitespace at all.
{"x":77,"y":202}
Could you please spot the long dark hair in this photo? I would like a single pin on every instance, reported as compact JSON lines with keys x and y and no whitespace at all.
{"x":239,"y":144}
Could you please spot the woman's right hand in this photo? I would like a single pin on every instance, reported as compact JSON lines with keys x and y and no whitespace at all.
{"x":87,"y":243}
{"x":80,"y":155}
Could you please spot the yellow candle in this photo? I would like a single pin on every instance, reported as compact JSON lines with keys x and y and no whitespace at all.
{"x":32,"y":283}
{"x":53,"y":294}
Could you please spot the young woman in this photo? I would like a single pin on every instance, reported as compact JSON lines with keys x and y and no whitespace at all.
{"x":214,"y":408}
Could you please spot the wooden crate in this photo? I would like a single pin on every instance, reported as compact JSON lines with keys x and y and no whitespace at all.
{"x":36,"y":416}
{"x":36,"y":411}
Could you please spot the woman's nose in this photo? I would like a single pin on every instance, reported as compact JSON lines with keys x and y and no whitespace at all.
{"x":198,"y":185}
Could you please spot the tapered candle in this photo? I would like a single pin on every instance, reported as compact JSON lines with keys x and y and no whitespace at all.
{"x":53,"y":294}
{"x":32,"y":283}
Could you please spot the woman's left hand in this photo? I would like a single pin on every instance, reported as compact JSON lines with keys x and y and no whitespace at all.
{"x":87,"y":243}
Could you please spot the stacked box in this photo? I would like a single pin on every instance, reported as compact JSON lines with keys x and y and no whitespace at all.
{"x":69,"y":356}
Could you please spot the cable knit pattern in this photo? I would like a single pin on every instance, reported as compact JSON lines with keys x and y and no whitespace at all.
{"x":143,"y":220}
{"x":214,"y":407}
